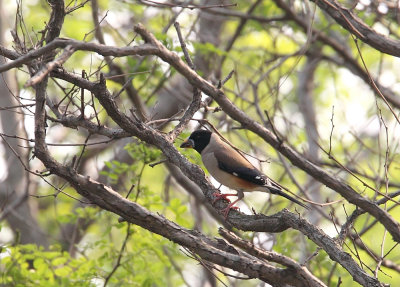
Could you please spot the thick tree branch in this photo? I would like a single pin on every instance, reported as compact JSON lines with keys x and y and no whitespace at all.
{"x":103,"y":50}
{"x":237,"y":114}
{"x":302,"y":272}
{"x":275,"y":223}
{"x":211,"y":250}
{"x":346,"y":59}
{"x":358,"y":28}
{"x":108,"y":199}
{"x":70,"y":110}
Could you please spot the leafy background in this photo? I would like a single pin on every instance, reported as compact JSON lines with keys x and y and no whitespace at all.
{"x":268,"y":57}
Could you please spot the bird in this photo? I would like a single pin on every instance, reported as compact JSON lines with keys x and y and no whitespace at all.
{"x":230,"y":168}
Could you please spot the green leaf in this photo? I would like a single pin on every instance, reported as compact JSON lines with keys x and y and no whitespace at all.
{"x":63,"y":271}
{"x":59,"y":261}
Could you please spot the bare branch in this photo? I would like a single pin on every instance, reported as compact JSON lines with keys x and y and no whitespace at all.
{"x":301,"y":272}
{"x":356,"y":26}
{"x":234,"y":112}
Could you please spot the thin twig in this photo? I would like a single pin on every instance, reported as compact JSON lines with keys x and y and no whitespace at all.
{"x":39,"y":76}
{"x":157,"y":163}
{"x":83,"y":97}
{"x":221,"y":83}
{"x":374,"y":86}
{"x":183,"y":46}
{"x":118,"y":264}
{"x":330,"y":136}
{"x":191,"y":7}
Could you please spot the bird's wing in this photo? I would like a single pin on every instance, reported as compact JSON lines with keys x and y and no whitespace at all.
{"x":234,"y":163}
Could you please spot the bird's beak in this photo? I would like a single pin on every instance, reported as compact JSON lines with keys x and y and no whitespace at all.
{"x":188,"y":143}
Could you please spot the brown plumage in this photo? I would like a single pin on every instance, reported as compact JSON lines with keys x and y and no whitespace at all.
{"x":230,"y":168}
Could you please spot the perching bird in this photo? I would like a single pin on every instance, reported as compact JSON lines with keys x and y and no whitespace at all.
{"x":230,"y":168}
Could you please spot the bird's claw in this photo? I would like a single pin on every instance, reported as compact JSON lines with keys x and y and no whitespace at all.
{"x":219,"y":196}
{"x":225,"y":211}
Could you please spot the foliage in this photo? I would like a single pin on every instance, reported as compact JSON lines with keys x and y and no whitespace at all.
{"x":144,"y":262}
{"x":355,"y":139}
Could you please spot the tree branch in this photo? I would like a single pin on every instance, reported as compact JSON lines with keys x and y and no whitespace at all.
{"x":358,"y":28}
{"x":237,"y":114}
{"x":275,"y":223}
{"x":108,"y":199}
{"x":301,"y":272}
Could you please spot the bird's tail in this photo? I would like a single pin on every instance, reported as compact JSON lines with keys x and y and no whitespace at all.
{"x":278,"y":191}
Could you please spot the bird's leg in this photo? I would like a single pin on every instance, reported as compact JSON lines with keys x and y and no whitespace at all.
{"x":219,"y":196}
{"x":230,"y":206}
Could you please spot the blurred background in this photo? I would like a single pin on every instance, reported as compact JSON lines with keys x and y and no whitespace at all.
{"x":292,"y":68}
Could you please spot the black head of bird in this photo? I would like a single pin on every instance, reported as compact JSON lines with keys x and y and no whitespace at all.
{"x":198,"y":140}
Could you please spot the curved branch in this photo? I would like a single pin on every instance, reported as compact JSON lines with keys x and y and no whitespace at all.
{"x":301,"y":270}
{"x":347,"y":59}
{"x":214,"y":251}
{"x":234,"y":112}
{"x":211,"y":250}
{"x":275,"y":223}
{"x":108,"y":199}
{"x":295,"y":158}
{"x":357,"y":27}
{"x":103,"y":50}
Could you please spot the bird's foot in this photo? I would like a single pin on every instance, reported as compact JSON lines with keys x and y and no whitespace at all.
{"x":225,"y":211}
{"x":219,"y":196}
